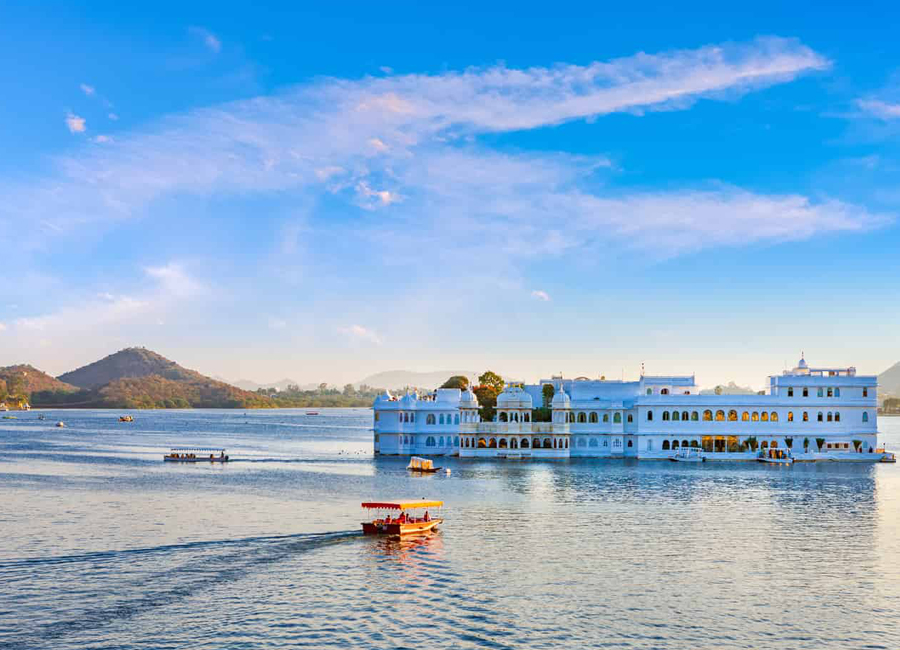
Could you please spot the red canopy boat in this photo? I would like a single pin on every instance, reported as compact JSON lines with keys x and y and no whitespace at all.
{"x":401,"y":517}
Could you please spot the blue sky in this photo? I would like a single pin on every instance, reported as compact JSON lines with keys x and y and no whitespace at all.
{"x":326,"y":191}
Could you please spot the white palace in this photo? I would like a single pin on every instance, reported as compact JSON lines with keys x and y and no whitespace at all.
{"x":819,"y":413}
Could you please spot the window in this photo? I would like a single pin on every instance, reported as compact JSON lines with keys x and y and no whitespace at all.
{"x":837,"y":416}
{"x":593,"y":418}
{"x":819,"y":416}
{"x":649,"y":391}
{"x":430,"y":419}
{"x":606,"y":417}
{"x":865,"y":392}
{"x":732,"y":416}
{"x":502,"y":443}
{"x":441,"y":419}
{"x":745,"y":417}
{"x":649,"y":416}
{"x":524,"y":444}
{"x":548,"y":444}
{"x":790,"y":416}
{"x":684,"y":416}
{"x":526,"y":417}
{"x":376,"y":416}
{"x":684,"y":443}
{"x":513,"y":443}
{"x":665,"y":445}
{"x":773,"y":416}
{"x":606,"y":443}
{"x":629,"y":443}
{"x":571,"y":418}
{"x":754,"y":417}
{"x":829,"y":392}
{"x":720,"y":416}
{"x":819,"y":393}
{"x":503,"y":416}
{"x":790,"y":392}
{"x":694,"y":416}
{"x":805,"y":416}
{"x":441,"y":441}
{"x":617,"y":418}
{"x":707,"y":416}
{"x":430,"y":441}
{"x":456,"y":419}
{"x":582,"y":418}
{"x":676,"y":416}
{"x":865,"y":416}
{"x":582,"y":442}
{"x":829,"y":417}
{"x":456,"y":441}
{"x":665,"y":416}
{"x":630,"y":417}
{"x":492,"y":444}
{"x":805,"y":392}
{"x":837,"y":392}
{"x":664,"y":391}
{"x":674,"y":444}
{"x":764,"y":417}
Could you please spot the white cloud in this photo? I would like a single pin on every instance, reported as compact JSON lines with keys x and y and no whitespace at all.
{"x":359,"y":333}
{"x":75,"y":123}
{"x":87,"y":90}
{"x":371,"y":199}
{"x":174,"y":280}
{"x":113,"y":117}
{"x":102,"y":139}
{"x":880,"y":109}
{"x":540,"y":295}
{"x":210,"y":40}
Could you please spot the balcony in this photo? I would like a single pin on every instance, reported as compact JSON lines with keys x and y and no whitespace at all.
{"x":513,"y":427}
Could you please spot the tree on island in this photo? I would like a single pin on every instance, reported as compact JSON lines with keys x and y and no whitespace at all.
{"x":820,"y":442}
{"x":547,"y":392}
{"x":857,"y":444}
{"x":490,"y":384}
{"x":806,"y":445}
{"x":457,"y":381}
{"x":789,"y":443}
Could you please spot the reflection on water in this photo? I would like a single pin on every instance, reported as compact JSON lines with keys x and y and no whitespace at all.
{"x":104,"y":546}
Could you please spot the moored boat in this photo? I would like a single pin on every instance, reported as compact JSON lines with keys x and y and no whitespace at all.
{"x":688,"y":455}
{"x":886,"y":456}
{"x":425,"y":465}
{"x":60,"y":424}
{"x":383,"y":522}
{"x":775,"y":456}
{"x":196,"y":455}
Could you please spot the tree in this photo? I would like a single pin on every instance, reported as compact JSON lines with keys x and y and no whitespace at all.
{"x":487,"y":399}
{"x":323,"y":387}
{"x":789,"y":443}
{"x":857,"y":444}
{"x":3,"y":391}
{"x":542,"y":414}
{"x":820,"y":442}
{"x":806,"y":444}
{"x":752,"y":442}
{"x":457,"y":381}
{"x":492,"y":379}
{"x":349,"y":390}
{"x":547,"y":391}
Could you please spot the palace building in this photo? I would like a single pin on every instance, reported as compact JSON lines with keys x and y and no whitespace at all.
{"x":812,"y":411}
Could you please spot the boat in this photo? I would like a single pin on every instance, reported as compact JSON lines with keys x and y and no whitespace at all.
{"x":775,"y":456}
{"x":196,"y":455}
{"x":9,"y":417}
{"x":688,"y":455}
{"x":126,"y":418}
{"x":3,"y":407}
{"x":425,"y":465}
{"x":386,"y":521}
{"x":60,"y":424}
{"x":886,"y":456}
{"x":312,"y":412}
{"x":42,"y":417}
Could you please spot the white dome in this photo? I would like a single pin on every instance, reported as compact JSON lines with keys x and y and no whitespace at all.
{"x":802,"y":363}
{"x":468,"y":399}
{"x":514,"y":397}
{"x":561,"y":400}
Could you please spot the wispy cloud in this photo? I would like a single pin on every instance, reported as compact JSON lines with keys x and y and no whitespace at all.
{"x":113,"y":117}
{"x":540,"y":295}
{"x":175,"y":280}
{"x":359,"y":333}
{"x":102,"y":139}
{"x":75,"y":123}
{"x":87,"y":90}
{"x":210,"y":40}
{"x":880,"y":109}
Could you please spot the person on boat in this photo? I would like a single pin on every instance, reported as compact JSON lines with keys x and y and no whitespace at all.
{"x":402,"y":518}
{"x":426,"y":517}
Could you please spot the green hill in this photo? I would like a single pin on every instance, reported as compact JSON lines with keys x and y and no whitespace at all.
{"x":130,"y":363}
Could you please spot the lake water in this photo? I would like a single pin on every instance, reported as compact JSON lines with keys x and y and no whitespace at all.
{"x":102,"y":545}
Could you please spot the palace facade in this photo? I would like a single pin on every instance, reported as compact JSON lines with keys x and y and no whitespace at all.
{"x":816,"y":412}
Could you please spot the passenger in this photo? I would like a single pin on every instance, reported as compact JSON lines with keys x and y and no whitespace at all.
{"x":426,"y":517}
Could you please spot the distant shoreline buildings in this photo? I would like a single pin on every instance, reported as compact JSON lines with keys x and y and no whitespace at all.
{"x":818,"y":413}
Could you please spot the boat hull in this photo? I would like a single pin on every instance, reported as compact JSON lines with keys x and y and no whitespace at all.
{"x":195,"y":460}
{"x":777,"y":461}
{"x":686,"y":460}
{"x":396,"y":530}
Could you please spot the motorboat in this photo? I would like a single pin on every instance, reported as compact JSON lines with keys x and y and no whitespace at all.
{"x":60,"y":424}
{"x":775,"y":456}
{"x":397,"y":518}
{"x":126,"y":418}
{"x":886,"y":456}
{"x":425,"y":465}
{"x":688,"y":455}
{"x":312,"y":412}
{"x":196,"y":455}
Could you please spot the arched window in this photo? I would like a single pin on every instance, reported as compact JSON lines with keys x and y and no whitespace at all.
{"x":515,"y":417}
{"x":665,"y":416}
{"x":865,"y":416}
{"x":456,"y":419}
{"x":805,"y":416}
{"x":582,"y":418}
{"x":649,"y":391}
{"x":441,"y":421}
{"x":829,"y":392}
{"x":694,"y":416}
{"x":412,"y":417}
{"x":593,"y":442}
{"x":837,"y":416}
{"x":548,"y":444}
{"x":790,"y":416}
{"x":684,"y":416}
{"x":674,"y":444}
{"x":745,"y":417}
{"x":829,"y":417}
{"x":694,"y":443}
{"x":790,"y":392}
{"x":606,"y":443}
{"x":819,"y":416}
{"x":819,"y":392}
{"x":664,"y":391}
{"x":629,"y":443}
{"x":513,"y":443}
{"x":567,"y":443}
{"x":492,"y":444}
{"x":754,"y":417}
{"x":764,"y":416}
{"x":720,"y":416}
{"x":526,"y":417}
{"x":805,"y":392}
{"x":594,"y":418}
{"x":466,"y":443}
{"x":707,"y":415}
{"x":837,"y":392}
{"x":773,"y":416}
{"x":571,"y":418}
{"x":732,"y":416}
{"x":502,"y":443}
{"x":554,"y":443}
{"x":429,"y":419}
{"x":524,"y":443}
{"x":503,"y":417}
{"x":582,"y":442}
{"x":684,"y":443}
{"x":429,"y":442}
{"x":630,"y":417}
{"x":676,"y":416}
{"x":617,"y":418}
{"x":649,"y":415}
{"x":536,"y":443}
{"x":606,"y":417}
{"x":482,"y":443}
{"x":665,"y":445}
{"x":865,"y":391}
{"x":765,"y":444}
{"x":441,"y":441}
{"x":456,"y":441}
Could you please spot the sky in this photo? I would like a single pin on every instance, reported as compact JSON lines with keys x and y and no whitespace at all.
{"x":322,"y":191}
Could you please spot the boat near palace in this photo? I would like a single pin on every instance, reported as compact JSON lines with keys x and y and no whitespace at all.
{"x":688,"y":455}
{"x":886,"y":456}
{"x":776,"y":456}
{"x":196,"y":455}
{"x":392,"y":518}
{"x":126,"y":418}
{"x":424,"y":465}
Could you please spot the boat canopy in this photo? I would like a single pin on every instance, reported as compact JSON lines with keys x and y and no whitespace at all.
{"x":420,"y":463}
{"x":403,"y":505}
{"x":219,"y":449}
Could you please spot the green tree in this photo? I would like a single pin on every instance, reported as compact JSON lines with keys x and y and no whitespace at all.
{"x":487,"y":399}
{"x":349,"y":391}
{"x":547,"y":392}
{"x":789,"y":443}
{"x":806,"y":444}
{"x":542,"y":414}
{"x":752,"y":442}
{"x":457,"y":381}
{"x":493,"y":380}
{"x":820,"y":442}
{"x":857,"y":444}
{"x":3,"y":391}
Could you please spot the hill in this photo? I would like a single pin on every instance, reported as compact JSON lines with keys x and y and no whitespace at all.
{"x":141,"y":378}
{"x":401,"y":378}
{"x":889,"y":382}
{"x":281,"y":384}
{"x":19,"y":383}
{"x":728,"y":389}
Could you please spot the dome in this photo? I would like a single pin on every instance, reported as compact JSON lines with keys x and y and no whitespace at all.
{"x":383,"y":397}
{"x":468,"y":399}
{"x":514,"y":397}
{"x":408,"y":401}
{"x":561,"y":400}
{"x":802,"y":365}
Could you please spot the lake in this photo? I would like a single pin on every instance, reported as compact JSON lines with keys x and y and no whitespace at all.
{"x":102,"y":545}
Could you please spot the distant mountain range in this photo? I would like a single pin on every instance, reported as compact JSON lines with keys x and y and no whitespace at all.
{"x":889,"y":382}
{"x":730,"y":388}
{"x":394,"y":379}
{"x":281,"y":384}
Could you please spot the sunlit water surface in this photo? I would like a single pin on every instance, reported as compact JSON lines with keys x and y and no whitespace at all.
{"x":102,"y":545}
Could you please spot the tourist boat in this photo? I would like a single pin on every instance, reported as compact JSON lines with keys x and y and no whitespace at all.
{"x":688,"y":455}
{"x":4,"y":407}
{"x":126,"y":418}
{"x":196,"y":455}
{"x":60,"y":424}
{"x":385,"y":521}
{"x":425,"y":465}
{"x":775,"y":456}
{"x":312,"y":412}
{"x":886,"y":456}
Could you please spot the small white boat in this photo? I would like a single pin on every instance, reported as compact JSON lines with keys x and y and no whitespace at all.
{"x":688,"y":455}
{"x":886,"y":456}
{"x":417,"y":464}
{"x":775,"y":456}
{"x":60,"y":424}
